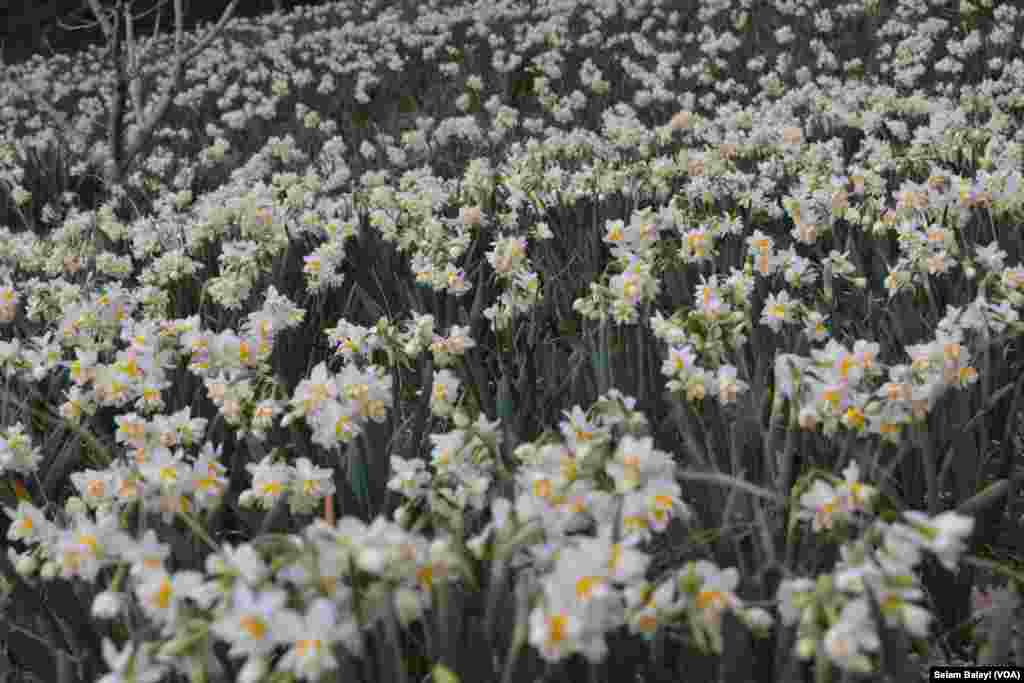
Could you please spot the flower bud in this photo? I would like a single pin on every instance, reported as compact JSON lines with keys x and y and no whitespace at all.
{"x":255,"y":669}
{"x":477,"y":545}
{"x":408,"y":605}
{"x":74,"y":506}
{"x":26,"y":565}
{"x":805,"y":648}
{"x":49,"y":570}
{"x":106,"y":605}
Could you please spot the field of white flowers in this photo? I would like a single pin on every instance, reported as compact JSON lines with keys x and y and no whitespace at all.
{"x":591,"y":340}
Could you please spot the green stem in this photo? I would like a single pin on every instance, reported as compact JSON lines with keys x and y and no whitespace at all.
{"x":199,"y":530}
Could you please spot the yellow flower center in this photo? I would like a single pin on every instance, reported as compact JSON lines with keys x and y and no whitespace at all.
{"x":163,"y":595}
{"x":568,"y":469}
{"x":272,"y":488}
{"x":831,"y":396}
{"x":342,"y":425}
{"x":557,"y":627}
{"x":586,"y":586}
{"x":634,"y":522}
{"x":647,"y":623}
{"x":303,"y":647}
{"x":89,"y":540}
{"x":710,"y":600}
{"x":663,"y":502}
{"x":253,"y":626}
{"x":425,"y":576}
{"x":889,"y":427}
{"x":616,"y":557}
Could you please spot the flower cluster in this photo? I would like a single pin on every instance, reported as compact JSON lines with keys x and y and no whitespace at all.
{"x":876,"y":574}
{"x":337,"y":405}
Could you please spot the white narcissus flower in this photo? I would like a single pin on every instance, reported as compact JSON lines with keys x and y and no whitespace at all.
{"x":28,"y":523}
{"x":580,"y":431}
{"x":822,"y":505}
{"x":83,"y":549}
{"x":310,"y":485}
{"x":618,"y":563}
{"x":945,"y":534}
{"x":312,"y":393}
{"x":716,"y":592}
{"x":650,"y":607}
{"x":664,"y":503}
{"x":709,"y":591}
{"x":444,"y":393}
{"x":160,"y":594}
{"x":410,"y":477}
{"x":336,"y":423}
{"x":254,"y":622}
{"x":636,"y":462}
{"x":243,"y":560}
{"x":131,"y":665}
{"x":778,"y":308}
{"x":554,"y":632}
{"x":270,"y":480}
{"x":793,"y":595}
{"x":208,"y":479}
{"x":167,"y":472}
{"x":680,"y":363}
{"x":310,"y":637}
{"x":852,"y":637}
{"x":857,"y":495}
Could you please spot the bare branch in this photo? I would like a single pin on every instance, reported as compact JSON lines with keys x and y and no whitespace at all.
{"x":134,"y":75}
{"x":146,"y":127}
{"x":101,"y":17}
{"x":156,"y":25}
{"x":124,"y":52}
{"x":115,"y":129}
{"x":77,"y":15}
{"x":152,"y":9}
{"x":225,"y":17}
{"x":77,"y":27}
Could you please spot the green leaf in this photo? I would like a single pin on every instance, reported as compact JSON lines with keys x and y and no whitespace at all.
{"x":506,"y":404}
{"x":358,"y":476}
{"x":985,"y":498}
{"x":442,"y":674}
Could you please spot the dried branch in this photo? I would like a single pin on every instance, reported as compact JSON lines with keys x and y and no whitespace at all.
{"x":134,"y":72}
{"x":101,"y":16}
{"x":145,"y":130}
{"x":128,"y":72}
{"x":76,"y":15}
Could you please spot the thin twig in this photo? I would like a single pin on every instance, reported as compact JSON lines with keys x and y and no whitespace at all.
{"x":726,"y":480}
